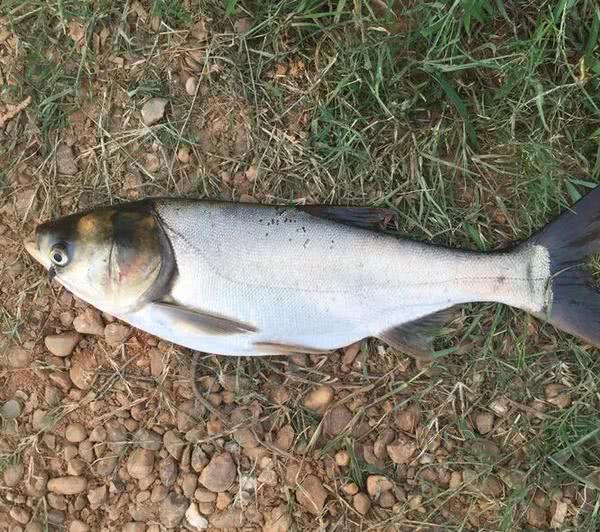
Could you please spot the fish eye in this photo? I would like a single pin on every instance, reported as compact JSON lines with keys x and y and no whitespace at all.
{"x":59,"y":255}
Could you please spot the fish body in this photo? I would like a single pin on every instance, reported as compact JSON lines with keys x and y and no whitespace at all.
{"x":246,"y":279}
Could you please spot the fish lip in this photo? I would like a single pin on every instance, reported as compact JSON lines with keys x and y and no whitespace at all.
{"x":32,"y":248}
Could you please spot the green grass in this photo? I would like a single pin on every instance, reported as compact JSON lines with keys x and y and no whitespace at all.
{"x":477,"y":121}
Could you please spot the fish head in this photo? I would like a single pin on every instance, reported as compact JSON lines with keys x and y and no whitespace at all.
{"x":114,"y":258}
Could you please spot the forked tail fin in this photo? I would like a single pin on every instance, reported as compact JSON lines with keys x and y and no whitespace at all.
{"x":572,"y":240}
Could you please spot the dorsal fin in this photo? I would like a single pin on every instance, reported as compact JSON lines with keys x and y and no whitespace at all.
{"x":365,"y":217}
{"x":415,"y":338}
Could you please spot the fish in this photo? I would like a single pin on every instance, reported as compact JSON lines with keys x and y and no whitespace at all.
{"x":245,"y":279}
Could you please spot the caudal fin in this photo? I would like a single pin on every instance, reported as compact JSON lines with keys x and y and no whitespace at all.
{"x":571,"y":240}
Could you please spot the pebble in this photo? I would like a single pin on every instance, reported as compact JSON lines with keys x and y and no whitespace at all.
{"x":58,"y":502}
{"x":401,"y":450}
{"x":116,"y":435}
{"x":83,"y":370}
{"x":65,"y":160}
{"x":277,"y":520}
{"x":311,"y":494}
{"x":558,"y":395}
{"x":285,"y":437}
{"x":377,"y":484}
{"x":104,"y":466}
{"x":148,"y":439}
{"x":78,"y":526}
{"x":190,"y":86}
{"x":18,"y":357}
{"x":484,"y":422}
{"x":76,"y":467}
{"x":387,"y":499}
{"x":183,"y":154}
{"x":173,"y":444}
{"x":21,"y":515}
{"x":319,"y":398}
{"x":219,"y":474}
{"x":232,"y":518}
{"x":116,"y":333}
{"x":134,"y":526}
{"x":223,"y":500}
{"x":204,"y":495}
{"x":408,"y":418}
{"x":98,"y":434}
{"x":156,"y":363}
{"x":62,"y":345}
{"x":280,"y":395}
{"x":361,"y":503}
{"x":196,"y":520}
{"x":337,"y":421}
{"x":89,"y":322}
{"x":75,"y":433}
{"x":189,"y":483}
{"x":350,"y":488}
{"x":34,"y":526}
{"x":11,"y":409}
{"x":167,"y":471}
{"x":537,"y":517}
{"x":153,"y":110}
{"x":97,"y":496}
{"x":140,"y":463}
{"x":13,"y":475}
{"x":172,"y":509}
{"x":67,"y":485}
{"x":342,"y":458}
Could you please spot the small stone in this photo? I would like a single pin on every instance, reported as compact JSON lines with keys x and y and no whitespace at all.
{"x":223,"y":501}
{"x":350,"y":488}
{"x":361,"y":503}
{"x":35,"y":526}
{"x":350,"y":353}
{"x":13,"y":475}
{"x":174,"y":444}
{"x":558,"y":511}
{"x":62,"y":345}
{"x":116,"y":333}
{"x":536,"y":516}
{"x":409,"y":418}
{"x":21,"y":515}
{"x":134,"y":526}
{"x":285,"y":437}
{"x":89,"y":322}
{"x":336,"y":421}
{"x":232,"y":518}
{"x":401,"y":450}
{"x":500,"y":406}
{"x":319,"y":398}
{"x":183,"y":154}
{"x":83,"y":370}
{"x":195,"y":519}
{"x":156,"y":363}
{"x":11,"y":409}
{"x":204,"y":495}
{"x":67,"y":485}
{"x":98,"y":434}
{"x":455,"y":479}
{"x":277,"y":520}
{"x":58,"y":502}
{"x":268,"y":477}
{"x":342,"y":458}
{"x":280,"y":395}
{"x":168,"y":470}
{"x":97,"y":496}
{"x":492,"y":487}
{"x":188,"y":485}
{"x":140,"y":463}
{"x":153,"y":110}
{"x":75,"y":433}
{"x":65,"y":160}
{"x":116,"y":435}
{"x":311,"y":494}
{"x":190,"y":86}
{"x":242,"y":25}
{"x":18,"y":357}
{"x":484,"y":422}
{"x":377,"y":484}
{"x":78,"y":526}
{"x":219,"y":474}
{"x":387,"y":500}
{"x":172,"y":509}
{"x":148,"y":439}
{"x":558,"y":394}
{"x":76,"y":467}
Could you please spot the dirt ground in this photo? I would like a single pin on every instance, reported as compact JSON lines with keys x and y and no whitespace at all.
{"x":100,"y":428}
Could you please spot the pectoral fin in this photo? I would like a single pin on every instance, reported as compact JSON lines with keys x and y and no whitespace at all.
{"x":416,"y":337}
{"x":201,"y":321}
{"x":274,"y":348}
{"x":365,"y":217}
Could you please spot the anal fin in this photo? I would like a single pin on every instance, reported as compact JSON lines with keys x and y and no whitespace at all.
{"x":416,"y":337}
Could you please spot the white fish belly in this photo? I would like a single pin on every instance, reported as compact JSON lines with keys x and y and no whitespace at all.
{"x":307,"y":282}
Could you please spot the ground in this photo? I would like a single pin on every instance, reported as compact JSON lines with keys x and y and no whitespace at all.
{"x":476,"y":121}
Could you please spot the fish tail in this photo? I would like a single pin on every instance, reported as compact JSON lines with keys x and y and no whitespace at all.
{"x":573,"y":292}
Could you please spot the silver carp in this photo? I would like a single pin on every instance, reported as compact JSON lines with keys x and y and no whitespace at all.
{"x":246,"y":279}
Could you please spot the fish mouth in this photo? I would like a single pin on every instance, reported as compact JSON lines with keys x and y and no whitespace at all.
{"x":32,"y":248}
